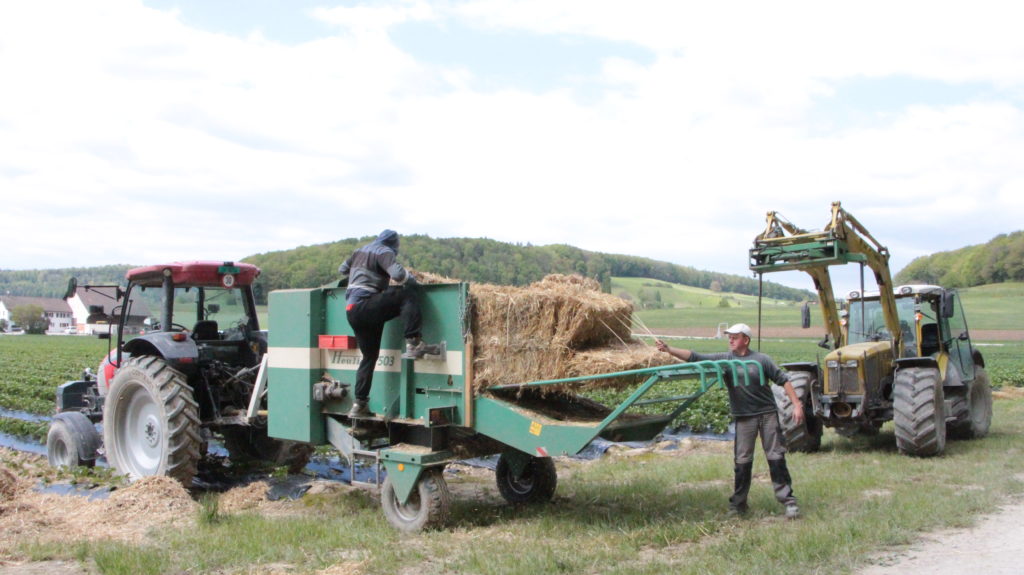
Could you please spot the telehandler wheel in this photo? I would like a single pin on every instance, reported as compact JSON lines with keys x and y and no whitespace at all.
{"x":973,"y":410}
{"x":428,"y":506}
{"x":253,"y":443}
{"x":919,"y":412}
{"x":72,"y":441}
{"x":806,"y":436}
{"x":536,"y":484}
{"x":151,"y":421}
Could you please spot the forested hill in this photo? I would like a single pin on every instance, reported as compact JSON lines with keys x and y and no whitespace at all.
{"x":468,"y":259}
{"x":1000,"y":260}
{"x":490,"y":261}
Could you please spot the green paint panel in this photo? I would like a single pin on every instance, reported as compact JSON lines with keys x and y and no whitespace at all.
{"x":296,"y":317}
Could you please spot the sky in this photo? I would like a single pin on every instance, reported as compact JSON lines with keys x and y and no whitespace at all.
{"x":144,"y":131}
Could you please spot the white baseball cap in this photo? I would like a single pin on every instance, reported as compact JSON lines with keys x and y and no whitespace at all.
{"x":740,"y":328}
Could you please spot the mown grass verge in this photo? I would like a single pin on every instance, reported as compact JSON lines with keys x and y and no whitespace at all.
{"x":654,"y":512}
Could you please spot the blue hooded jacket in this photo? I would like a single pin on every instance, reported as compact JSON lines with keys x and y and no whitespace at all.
{"x":371,"y":267}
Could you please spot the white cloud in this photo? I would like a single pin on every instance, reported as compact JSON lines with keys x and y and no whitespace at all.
{"x":125,"y":118}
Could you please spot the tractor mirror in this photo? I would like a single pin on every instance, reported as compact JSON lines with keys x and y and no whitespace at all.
{"x":213,"y":308}
{"x":946,"y":304}
{"x":72,"y":288}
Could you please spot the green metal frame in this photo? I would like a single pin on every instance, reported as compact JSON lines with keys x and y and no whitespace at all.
{"x":533,"y":434}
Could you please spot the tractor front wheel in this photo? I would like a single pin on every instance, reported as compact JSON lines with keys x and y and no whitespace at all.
{"x":805,"y":436}
{"x":72,"y":441}
{"x":919,"y":412}
{"x":151,"y":421}
{"x":536,"y":484}
{"x":974,"y":410}
{"x":428,"y":505}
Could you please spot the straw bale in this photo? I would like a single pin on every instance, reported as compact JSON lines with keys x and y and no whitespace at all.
{"x":613,"y":360}
{"x":531,"y":333}
{"x":561,"y":326}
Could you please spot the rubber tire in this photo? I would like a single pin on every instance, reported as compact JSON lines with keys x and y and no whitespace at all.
{"x":151,"y":422}
{"x":536,"y":484}
{"x":919,"y":412}
{"x":973,"y":410}
{"x":428,"y":506}
{"x":72,"y":441}
{"x":806,"y":436}
{"x":253,"y":443}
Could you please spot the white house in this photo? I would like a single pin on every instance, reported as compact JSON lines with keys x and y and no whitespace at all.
{"x":56,"y":310}
{"x":93,"y":309}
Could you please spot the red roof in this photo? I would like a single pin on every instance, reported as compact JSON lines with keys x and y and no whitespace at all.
{"x":199,"y":274}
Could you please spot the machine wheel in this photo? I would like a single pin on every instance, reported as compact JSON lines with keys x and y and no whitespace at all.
{"x":536,"y":484}
{"x":151,"y":421}
{"x":428,"y":505}
{"x":72,"y":441}
{"x":807,"y":435}
{"x":918,"y":412}
{"x":252,"y":442}
{"x":973,"y":410}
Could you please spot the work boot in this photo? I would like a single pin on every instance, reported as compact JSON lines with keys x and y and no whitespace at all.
{"x":359,"y":409}
{"x":792,"y":511}
{"x":416,"y":348}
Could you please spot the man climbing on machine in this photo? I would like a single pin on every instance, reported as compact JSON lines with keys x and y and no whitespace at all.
{"x":370,"y":302}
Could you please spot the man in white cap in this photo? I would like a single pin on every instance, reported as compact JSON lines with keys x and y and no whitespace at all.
{"x":753,"y":407}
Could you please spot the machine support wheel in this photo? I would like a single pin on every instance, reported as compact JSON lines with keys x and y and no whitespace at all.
{"x":806,"y":436}
{"x":973,"y":410}
{"x":536,"y":483}
{"x":428,"y":506}
{"x":72,"y":441}
{"x":253,"y":443}
{"x":919,"y":412}
{"x":151,"y":421}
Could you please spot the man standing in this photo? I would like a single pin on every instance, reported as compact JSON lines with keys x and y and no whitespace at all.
{"x":370,"y":302}
{"x":753,"y":407}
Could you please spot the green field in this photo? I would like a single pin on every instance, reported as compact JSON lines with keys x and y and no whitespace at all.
{"x":992,"y":307}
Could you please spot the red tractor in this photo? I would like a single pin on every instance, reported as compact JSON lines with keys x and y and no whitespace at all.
{"x":197,"y":375}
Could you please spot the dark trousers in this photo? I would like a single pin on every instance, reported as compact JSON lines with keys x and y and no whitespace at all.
{"x":774,"y":444}
{"x":367,"y":319}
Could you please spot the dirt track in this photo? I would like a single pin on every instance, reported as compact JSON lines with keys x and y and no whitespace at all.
{"x":995,"y":546}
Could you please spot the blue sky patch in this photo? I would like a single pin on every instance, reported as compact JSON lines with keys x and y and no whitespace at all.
{"x":283,"y":22}
{"x":864,"y":102}
{"x":513,"y":59}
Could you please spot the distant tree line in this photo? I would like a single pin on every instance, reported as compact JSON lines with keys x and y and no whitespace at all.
{"x":1000,"y":260}
{"x":467,"y":259}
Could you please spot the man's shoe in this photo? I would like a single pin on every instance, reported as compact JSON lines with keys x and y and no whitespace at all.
{"x":359,"y":409}
{"x":736,"y":511}
{"x":415,"y":348}
{"x":792,"y":511}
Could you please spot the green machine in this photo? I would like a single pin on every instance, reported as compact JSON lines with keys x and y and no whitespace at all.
{"x":429,"y":413}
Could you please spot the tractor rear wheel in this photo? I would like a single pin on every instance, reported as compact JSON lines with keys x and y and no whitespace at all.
{"x":536,"y":484}
{"x":151,"y":421}
{"x":252,"y":442}
{"x":973,"y":410}
{"x":805,"y":436}
{"x":919,"y":412}
{"x":428,"y":505}
{"x":72,"y":441}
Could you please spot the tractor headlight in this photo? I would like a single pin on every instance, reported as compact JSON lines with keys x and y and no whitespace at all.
{"x":850,"y":363}
{"x":831,"y":364}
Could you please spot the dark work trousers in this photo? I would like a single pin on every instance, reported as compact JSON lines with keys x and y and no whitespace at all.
{"x":774,"y":444}
{"x":367,"y":319}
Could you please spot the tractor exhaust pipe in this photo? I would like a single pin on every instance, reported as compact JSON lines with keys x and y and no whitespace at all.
{"x":842,"y":409}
